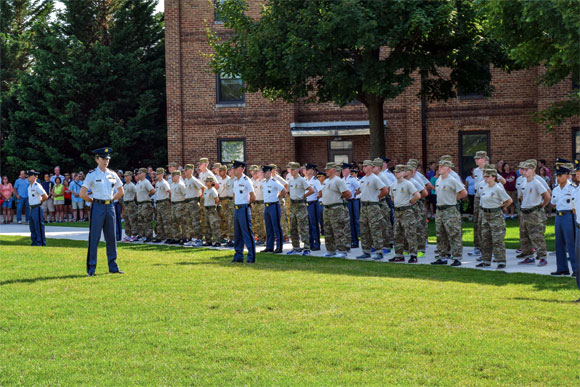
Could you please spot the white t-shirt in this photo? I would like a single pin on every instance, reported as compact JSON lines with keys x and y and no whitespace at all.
{"x":178,"y":191}
{"x":209,"y":196}
{"x":193,"y":187}
{"x":332,"y":190}
{"x":447,"y":190}
{"x":162,"y":189}
{"x":297,"y":187}
{"x":533,"y":194}
{"x":492,"y":197}
{"x":257,"y":184}
{"x":402,"y":193}
{"x":371,"y":187}
{"x":143,"y":188}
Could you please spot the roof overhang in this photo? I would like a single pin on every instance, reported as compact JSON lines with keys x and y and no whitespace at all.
{"x":331,"y":128}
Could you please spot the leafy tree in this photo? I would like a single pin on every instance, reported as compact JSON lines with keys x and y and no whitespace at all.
{"x":370,"y":51}
{"x":542,"y":33}
{"x":98,"y":79}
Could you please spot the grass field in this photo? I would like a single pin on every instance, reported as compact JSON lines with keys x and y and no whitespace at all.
{"x":191,"y":317}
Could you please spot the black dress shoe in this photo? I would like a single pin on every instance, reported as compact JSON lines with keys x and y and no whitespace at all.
{"x":316,"y":249}
{"x":237,"y":261}
{"x":573,"y":274}
{"x":267,"y":251}
{"x":278,"y":251}
{"x":217,"y":244}
{"x":230,"y":244}
{"x":456,"y":262}
{"x":206,"y":244}
{"x":560,"y":273}
{"x":250,"y":262}
{"x":578,"y":300}
{"x":117,"y":272}
{"x":91,"y":274}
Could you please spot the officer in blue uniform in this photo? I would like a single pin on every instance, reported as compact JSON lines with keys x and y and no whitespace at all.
{"x":563,"y":199}
{"x":273,"y":190}
{"x":36,"y":195}
{"x":353,"y":204}
{"x":243,"y":197}
{"x":102,"y":182}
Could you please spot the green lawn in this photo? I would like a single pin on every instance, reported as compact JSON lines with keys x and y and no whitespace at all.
{"x":185,"y":317}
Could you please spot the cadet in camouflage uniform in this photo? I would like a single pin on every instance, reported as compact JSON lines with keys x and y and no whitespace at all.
{"x":283,"y":203}
{"x":493,"y":200}
{"x":386,"y":226}
{"x":448,"y":218}
{"x":298,"y":219}
{"x":336,"y":217}
{"x":203,"y":173}
{"x":535,"y":198}
{"x":212,"y":219}
{"x":258,"y":206}
{"x":192,"y":212}
{"x":130,"y":208}
{"x":164,"y":222}
{"x":178,"y":208}
{"x":422,"y":225}
{"x":144,"y":206}
{"x":372,"y":219}
{"x":404,"y":195}
{"x":226,"y":209}
{"x":481,"y":160}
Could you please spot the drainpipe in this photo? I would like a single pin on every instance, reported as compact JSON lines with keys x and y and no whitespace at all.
{"x":423,"y":123}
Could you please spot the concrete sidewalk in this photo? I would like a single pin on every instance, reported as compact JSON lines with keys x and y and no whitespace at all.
{"x":82,"y":234}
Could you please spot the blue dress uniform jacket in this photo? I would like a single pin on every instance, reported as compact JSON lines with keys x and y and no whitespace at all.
{"x":103,"y":217}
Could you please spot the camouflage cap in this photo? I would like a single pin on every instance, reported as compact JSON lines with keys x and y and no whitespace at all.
{"x":521,"y":164}
{"x":273,"y":166}
{"x":490,"y":166}
{"x":377,"y":162}
{"x":204,"y":160}
{"x":490,"y":172}
{"x":413,"y":162}
{"x":293,"y":165}
{"x":128,"y":173}
{"x":528,"y":165}
{"x":330,"y":165}
{"x":446,"y":163}
{"x":216,"y":165}
{"x":400,"y":168}
{"x":480,"y":155}
{"x":210,"y":178}
{"x":160,"y":171}
{"x":367,"y":163}
{"x":223,"y":167}
{"x":446,"y":158}
{"x":189,"y":166}
{"x":532,"y":161}
{"x":254,"y":168}
{"x":176,"y":173}
{"x":142,"y":170}
{"x":172,"y":164}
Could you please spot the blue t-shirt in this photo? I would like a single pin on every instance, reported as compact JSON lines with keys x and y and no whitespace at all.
{"x":430,"y":173}
{"x":75,"y":186}
{"x":21,"y":187}
{"x":470,"y":185}
{"x":47,"y":186}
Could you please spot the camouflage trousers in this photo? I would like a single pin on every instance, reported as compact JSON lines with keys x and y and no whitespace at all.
{"x":476,"y":222}
{"x":284,"y":209}
{"x":179,"y":220}
{"x":533,"y":228}
{"x":192,"y":223}
{"x":448,"y":226}
{"x":492,"y":236}
{"x":299,"y":226}
{"x":386,"y":225}
{"x":336,"y":228}
{"x":145,"y":220}
{"x":406,"y":231}
{"x":258,"y":221}
{"x":422,"y":226}
{"x":372,"y":226}
{"x":164,"y":222}
{"x":227,"y":218}
{"x":212,"y":225}
{"x":130,"y":218}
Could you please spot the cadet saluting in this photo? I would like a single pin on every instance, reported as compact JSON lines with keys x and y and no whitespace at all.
{"x":102,"y":182}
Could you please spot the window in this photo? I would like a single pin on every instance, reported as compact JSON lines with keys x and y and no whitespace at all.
{"x":469,"y":144}
{"x":575,"y":143}
{"x":230,"y":89}
{"x":340,"y":151}
{"x":217,"y":18}
{"x":231,"y":149}
{"x":474,"y":94}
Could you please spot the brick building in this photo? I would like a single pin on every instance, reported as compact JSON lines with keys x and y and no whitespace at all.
{"x":209,"y":116}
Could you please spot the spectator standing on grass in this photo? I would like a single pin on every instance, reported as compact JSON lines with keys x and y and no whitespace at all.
{"x":470,"y":186}
{"x":510,"y":187}
{"x":58,"y":195}
{"x":21,"y":191}
{"x":7,"y":192}
{"x":48,"y":204}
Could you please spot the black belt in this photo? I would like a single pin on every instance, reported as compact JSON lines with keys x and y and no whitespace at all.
{"x":145,"y":201}
{"x":403,"y":208}
{"x":565,"y":212}
{"x":271,"y":204}
{"x":192,"y":200}
{"x":333,"y":205}
{"x":226,"y":198}
{"x":35,"y":205}
{"x":350,"y":200}
{"x":238,"y":206}
{"x":99,"y":201}
{"x":531,"y":209}
{"x":162,"y":200}
{"x":363,"y":203}
{"x":445,"y":206}
{"x":178,"y":201}
{"x":312,"y":202}
{"x":209,"y":206}
{"x":258,"y":202}
{"x":488,"y":210}
{"x":297,"y":201}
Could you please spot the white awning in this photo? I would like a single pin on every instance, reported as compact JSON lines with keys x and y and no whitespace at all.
{"x":331,"y":128}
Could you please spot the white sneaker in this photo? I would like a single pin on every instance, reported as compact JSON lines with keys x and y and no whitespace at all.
{"x":340,"y":255}
{"x":329,"y":255}
{"x":133,"y":239}
{"x":188,"y":244}
{"x":142,"y":239}
{"x":126,"y":239}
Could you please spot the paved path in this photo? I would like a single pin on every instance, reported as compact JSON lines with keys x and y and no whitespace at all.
{"x":78,"y":233}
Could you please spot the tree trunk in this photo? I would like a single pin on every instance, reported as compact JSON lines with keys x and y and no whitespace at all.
{"x":377,"y":128}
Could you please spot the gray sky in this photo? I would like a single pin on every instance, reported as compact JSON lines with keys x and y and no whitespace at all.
{"x":159,"y":7}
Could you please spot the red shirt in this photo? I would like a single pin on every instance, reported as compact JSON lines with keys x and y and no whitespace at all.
{"x":510,"y":180}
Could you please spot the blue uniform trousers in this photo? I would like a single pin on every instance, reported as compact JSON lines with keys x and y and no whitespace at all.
{"x":321,"y":217}
{"x":391,"y":209}
{"x":565,"y":241}
{"x":119,"y":228}
{"x":36,"y":225}
{"x":314,"y":224}
{"x":353,"y":206}
{"x":273,"y":229}
{"x":243,"y":233}
{"x":577,"y":252}
{"x":102,"y":219}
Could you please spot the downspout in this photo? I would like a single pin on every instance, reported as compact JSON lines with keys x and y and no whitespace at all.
{"x":181,"y":89}
{"x":423,"y":122}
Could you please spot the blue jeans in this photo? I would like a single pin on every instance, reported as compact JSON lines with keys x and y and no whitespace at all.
{"x":22,"y":202}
